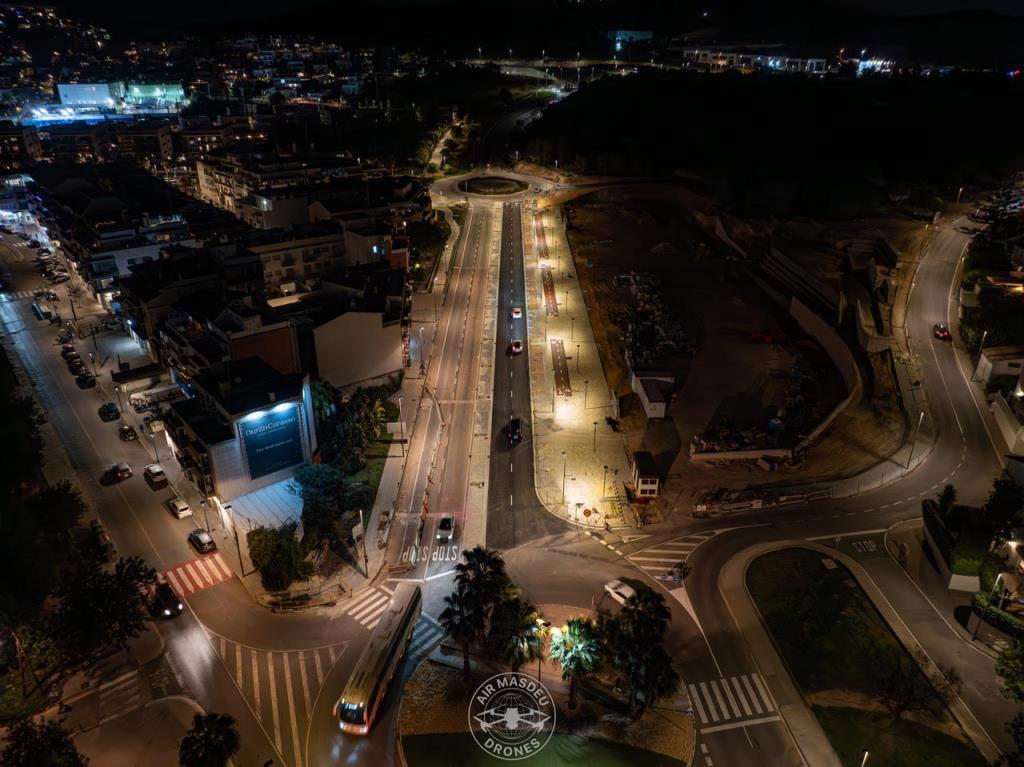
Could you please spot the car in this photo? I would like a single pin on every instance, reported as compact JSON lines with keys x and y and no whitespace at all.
{"x":85,"y":380}
{"x":51,"y":295}
{"x":515,"y":430}
{"x":76,"y":367}
{"x":140,"y":405}
{"x":120,"y":471}
{"x":166,"y":603}
{"x":517,"y":346}
{"x":32,"y":244}
{"x":202,"y":541}
{"x":127,"y":433}
{"x":68,"y":351}
{"x":155,"y":474}
{"x":445,"y":528}
{"x":517,"y":313}
{"x":59,"y":279}
{"x":179,"y":508}
{"x":941,"y":331}
{"x":108,"y":412}
{"x":619,"y":591}
{"x":44,"y":251}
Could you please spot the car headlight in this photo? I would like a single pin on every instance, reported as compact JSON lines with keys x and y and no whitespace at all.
{"x":181,"y":606}
{"x":167,"y":611}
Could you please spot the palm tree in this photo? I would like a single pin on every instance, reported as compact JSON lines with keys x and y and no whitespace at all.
{"x":457,"y":622}
{"x":577,"y":649}
{"x":515,"y":634}
{"x":211,"y":742}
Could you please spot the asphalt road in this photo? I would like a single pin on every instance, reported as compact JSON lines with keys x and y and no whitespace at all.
{"x":514,"y":513}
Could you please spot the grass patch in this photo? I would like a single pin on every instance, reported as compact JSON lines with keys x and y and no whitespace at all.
{"x":375,"y":457}
{"x":899,"y":744}
{"x":446,"y":749}
{"x":832,"y":638}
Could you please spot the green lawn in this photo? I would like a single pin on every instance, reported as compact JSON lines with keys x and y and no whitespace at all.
{"x":830,"y":636}
{"x":903,"y":744}
{"x":460,"y":750}
{"x":376,"y":455}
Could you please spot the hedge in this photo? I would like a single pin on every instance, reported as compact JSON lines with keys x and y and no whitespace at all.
{"x":1009,"y":624}
{"x":991,"y":566}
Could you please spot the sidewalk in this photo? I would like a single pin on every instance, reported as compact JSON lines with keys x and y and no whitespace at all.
{"x":953,"y":607}
{"x":580,"y":462}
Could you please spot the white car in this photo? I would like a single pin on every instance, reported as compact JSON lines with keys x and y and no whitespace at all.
{"x":155,"y":474}
{"x":446,"y":528}
{"x":179,"y":508}
{"x":619,"y":591}
{"x":517,"y":313}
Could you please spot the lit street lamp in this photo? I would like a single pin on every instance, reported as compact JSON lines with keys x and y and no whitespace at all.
{"x":865,"y":759}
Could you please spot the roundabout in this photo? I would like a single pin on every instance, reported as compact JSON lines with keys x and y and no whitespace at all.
{"x":492,"y":185}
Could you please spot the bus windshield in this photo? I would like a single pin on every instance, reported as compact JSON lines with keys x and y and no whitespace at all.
{"x":352,"y":713}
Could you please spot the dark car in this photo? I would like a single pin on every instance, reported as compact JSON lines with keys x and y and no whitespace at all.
{"x":60,"y":278}
{"x":76,"y":366}
{"x":108,"y":411}
{"x":941,"y":332}
{"x":202,"y":541}
{"x":515,"y":430}
{"x":127,"y":434}
{"x":67,"y":351}
{"x":85,"y":380}
{"x":166,"y":603}
{"x":140,"y":405}
{"x":119,"y":471}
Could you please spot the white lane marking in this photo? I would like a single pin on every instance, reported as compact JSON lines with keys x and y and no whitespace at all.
{"x":732,"y":701}
{"x":305,"y":682}
{"x":711,"y":704}
{"x":739,"y":694}
{"x":238,"y":664}
{"x":256,"y":686}
{"x":319,"y":669}
{"x":369,"y":607}
{"x":753,"y":696}
{"x":695,"y":697}
{"x":737,"y":725}
{"x":273,"y":702}
{"x":291,"y":710}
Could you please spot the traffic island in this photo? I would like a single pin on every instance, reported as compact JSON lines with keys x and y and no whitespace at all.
{"x":434,"y":723}
{"x":492,"y":185}
{"x":866,"y":690}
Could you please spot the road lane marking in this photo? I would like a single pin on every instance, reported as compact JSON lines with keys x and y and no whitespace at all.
{"x":737,"y":725}
{"x":696,"y":701}
{"x":753,"y":697}
{"x":238,"y":664}
{"x":256,"y":686}
{"x":739,"y":695}
{"x":305,"y":682}
{"x":319,"y":669}
{"x":711,"y":704}
{"x":291,"y":710}
{"x":273,"y":702}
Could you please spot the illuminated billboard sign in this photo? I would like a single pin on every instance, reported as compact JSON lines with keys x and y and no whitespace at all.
{"x":156,"y":93}
{"x":272,"y":439}
{"x":90,"y":94}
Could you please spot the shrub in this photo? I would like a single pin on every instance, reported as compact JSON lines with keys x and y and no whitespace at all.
{"x":1000,"y":619}
{"x":988,"y":571}
{"x":277,"y":555}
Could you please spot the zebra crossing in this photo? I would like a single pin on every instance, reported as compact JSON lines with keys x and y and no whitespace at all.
{"x":281,"y":686}
{"x":731,"y":702}
{"x":368,"y":607}
{"x":427,"y":634}
{"x":13,"y":295}
{"x":662,"y":557}
{"x":197,"y":574}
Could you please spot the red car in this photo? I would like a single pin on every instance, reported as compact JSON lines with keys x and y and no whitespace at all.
{"x":942,"y":332}
{"x":517,"y":347}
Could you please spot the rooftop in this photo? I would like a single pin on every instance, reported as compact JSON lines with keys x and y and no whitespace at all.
{"x":242,"y":386}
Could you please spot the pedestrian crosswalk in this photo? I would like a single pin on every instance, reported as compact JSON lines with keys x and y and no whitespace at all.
{"x":731,"y":702}
{"x":662,"y":557}
{"x":12,"y":295}
{"x":425,"y":637}
{"x":121,"y":695}
{"x":198,"y":574}
{"x":282,"y":688}
{"x":367,"y":607}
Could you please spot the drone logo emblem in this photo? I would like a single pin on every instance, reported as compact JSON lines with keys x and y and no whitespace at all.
{"x":511,"y":716}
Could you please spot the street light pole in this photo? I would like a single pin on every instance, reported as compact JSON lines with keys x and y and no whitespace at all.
{"x":595,"y":436}
{"x":572,"y":323}
{"x":586,"y":389}
{"x":604,"y":478}
{"x":914,"y":441}
{"x":565,"y":461}
{"x":578,"y":359}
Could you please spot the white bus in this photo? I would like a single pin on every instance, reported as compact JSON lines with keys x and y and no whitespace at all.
{"x":357,"y":707}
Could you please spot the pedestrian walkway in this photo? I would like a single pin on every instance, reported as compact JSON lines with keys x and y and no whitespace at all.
{"x":664,"y":556}
{"x":425,"y":637}
{"x":197,"y":574}
{"x":281,"y":687}
{"x":580,"y":461}
{"x":731,"y":702}
{"x":14,"y":295}
{"x":367,"y":607}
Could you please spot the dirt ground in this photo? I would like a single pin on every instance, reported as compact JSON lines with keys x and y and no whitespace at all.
{"x":734,"y":376}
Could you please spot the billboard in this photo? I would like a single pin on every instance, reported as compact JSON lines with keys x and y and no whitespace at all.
{"x":272,"y":440}
{"x":155,"y":93}
{"x":90,"y":94}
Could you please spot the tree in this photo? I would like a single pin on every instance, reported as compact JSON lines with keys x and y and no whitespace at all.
{"x":634,"y":646}
{"x":1004,"y":502}
{"x":325,"y":495}
{"x":514,"y":634}
{"x":945,"y":500}
{"x":211,"y":742}
{"x":46,"y":744}
{"x":577,"y":650}
{"x":57,"y":509}
{"x":903,"y":687}
{"x":457,"y":622}
{"x":278,"y":556}
{"x":1010,"y":666}
{"x":323,"y":400}
{"x":101,"y":610}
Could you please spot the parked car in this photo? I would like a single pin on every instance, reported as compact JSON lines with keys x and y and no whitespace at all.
{"x":140,"y":405}
{"x":108,"y":412}
{"x":445,"y":528}
{"x":179,"y":508}
{"x":155,"y":474}
{"x":85,"y":380}
{"x":202,"y":541}
{"x":517,"y":346}
{"x":515,"y":430}
{"x":68,"y":351}
{"x":106,"y":546}
{"x":619,"y":591}
{"x":166,"y":603}
{"x":59,"y":279}
{"x":127,"y":433}
{"x":76,"y":366}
